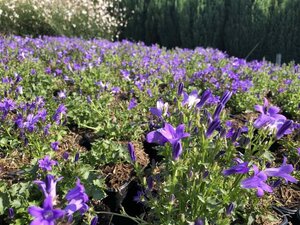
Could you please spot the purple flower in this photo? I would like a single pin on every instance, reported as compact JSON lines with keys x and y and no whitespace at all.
{"x":94,"y":220}
{"x":11,"y":213}
{"x":284,"y":129}
{"x":283,"y":171}
{"x":198,"y":222}
{"x":204,"y":97}
{"x":49,"y":186}
{"x":169,"y":134}
{"x":132,"y":104}
{"x":131,"y":151}
{"x":161,"y":109}
{"x":191,"y":99}
{"x":76,"y":157}
{"x":46,"y":163}
{"x":62,"y":94}
{"x":218,"y":111}
{"x":240,"y":168}
{"x":6,"y":106}
{"x":212,"y":126}
{"x":269,"y":116}
{"x":115,"y":90}
{"x":229,"y":209}
{"x":149,"y":92}
{"x":77,"y":199}
{"x":257,"y":181}
{"x":66,"y":155}
{"x":31,"y":120}
{"x":225,"y":98}
{"x":54,"y":145}
{"x":180,"y":89}
{"x":61,"y":110}
{"x":46,"y":215}
{"x":46,"y":129}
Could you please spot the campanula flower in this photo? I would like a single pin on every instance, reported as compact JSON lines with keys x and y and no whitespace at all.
{"x":225,"y":98}
{"x":191,"y":99}
{"x":94,"y":220}
{"x":283,"y":171}
{"x":284,"y":129}
{"x":258,"y":181}
{"x":229,"y":209}
{"x":132,"y":104}
{"x":204,"y":97}
{"x":198,"y":222}
{"x":161,"y":109}
{"x":49,"y":186}
{"x":77,"y":199}
{"x":46,"y":215}
{"x":269,"y":117}
{"x":212,"y":126}
{"x":180,"y":89}
{"x":11,"y":213}
{"x":171,"y":135}
{"x":46,"y":163}
{"x":61,"y":110}
{"x":167,"y":134}
{"x":240,"y":168}
{"x":218,"y":110}
{"x":54,"y":145}
{"x":131,"y":152}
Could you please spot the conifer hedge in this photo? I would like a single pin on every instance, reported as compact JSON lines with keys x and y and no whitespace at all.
{"x":251,"y":29}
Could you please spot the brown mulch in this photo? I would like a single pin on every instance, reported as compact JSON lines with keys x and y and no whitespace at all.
{"x":10,"y":167}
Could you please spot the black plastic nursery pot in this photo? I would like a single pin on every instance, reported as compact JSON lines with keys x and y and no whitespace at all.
{"x":124,"y":198}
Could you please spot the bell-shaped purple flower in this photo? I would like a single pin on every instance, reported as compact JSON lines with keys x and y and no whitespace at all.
{"x":180,"y":89}
{"x":218,"y":111}
{"x":240,"y":168}
{"x":229,"y":209}
{"x":46,"y":215}
{"x":132,"y":104}
{"x":269,"y":116}
{"x":49,"y":186}
{"x":171,"y":135}
{"x":204,"y":97}
{"x":131,"y":152}
{"x":225,"y":98}
{"x":161,"y":109}
{"x":191,"y":99}
{"x":257,"y":181}
{"x":284,"y":128}
{"x":94,"y":220}
{"x":77,"y":199}
{"x":284,"y":171}
{"x":212,"y":126}
{"x":167,"y":134}
{"x":46,"y":163}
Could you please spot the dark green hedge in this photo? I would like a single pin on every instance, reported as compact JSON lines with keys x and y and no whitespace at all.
{"x":244,"y":28}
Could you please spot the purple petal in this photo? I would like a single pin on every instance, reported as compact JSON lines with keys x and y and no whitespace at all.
{"x":177,"y":150}
{"x":156,"y":112}
{"x":261,"y":121}
{"x":156,"y":137}
{"x":259,"y":108}
{"x":273,"y":110}
{"x":35,"y":211}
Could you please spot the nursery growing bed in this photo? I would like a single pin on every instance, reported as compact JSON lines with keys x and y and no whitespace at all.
{"x":168,"y":136}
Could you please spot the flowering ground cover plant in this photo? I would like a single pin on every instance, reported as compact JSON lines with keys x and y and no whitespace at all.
{"x":100,"y":132}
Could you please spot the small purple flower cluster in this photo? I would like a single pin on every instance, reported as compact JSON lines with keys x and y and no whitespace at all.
{"x":47,"y":214}
{"x":259,"y":178}
{"x":271,"y":120}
